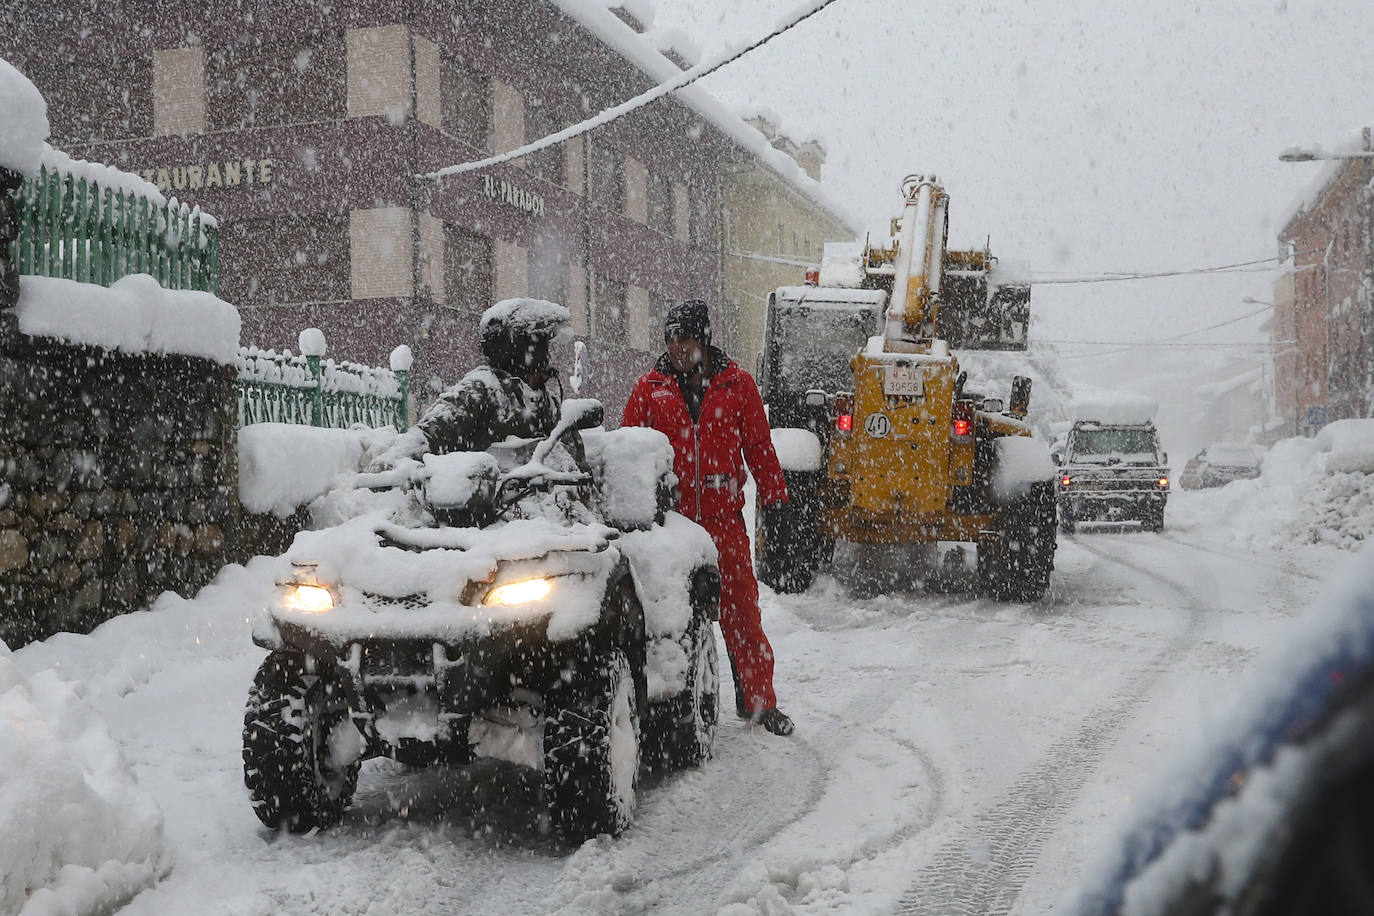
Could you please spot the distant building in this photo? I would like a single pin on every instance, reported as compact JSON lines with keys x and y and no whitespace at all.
{"x":773,"y":232}
{"x":305,"y":127}
{"x":1331,"y":321}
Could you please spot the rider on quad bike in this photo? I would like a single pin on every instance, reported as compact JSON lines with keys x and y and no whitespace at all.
{"x":531,"y":597}
{"x":508,"y":397}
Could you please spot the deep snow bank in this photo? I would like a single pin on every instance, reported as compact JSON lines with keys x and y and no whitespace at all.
{"x":80,"y":834}
{"x":1310,"y":491}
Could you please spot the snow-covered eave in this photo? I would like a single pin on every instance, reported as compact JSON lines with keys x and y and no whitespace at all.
{"x":595,"y":17}
{"x":1226,"y":386}
{"x":1330,"y":171}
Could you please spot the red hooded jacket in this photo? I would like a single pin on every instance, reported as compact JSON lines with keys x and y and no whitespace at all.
{"x":709,"y":456}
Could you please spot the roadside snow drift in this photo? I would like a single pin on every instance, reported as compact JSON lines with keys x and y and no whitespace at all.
{"x":80,"y":835}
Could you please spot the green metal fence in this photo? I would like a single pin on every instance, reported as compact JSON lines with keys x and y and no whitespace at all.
{"x":309,"y":390}
{"x":78,"y":228}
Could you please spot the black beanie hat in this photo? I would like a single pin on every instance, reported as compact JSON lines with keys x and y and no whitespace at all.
{"x":690,"y":319}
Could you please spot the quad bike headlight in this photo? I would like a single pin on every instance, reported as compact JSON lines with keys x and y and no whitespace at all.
{"x":526,"y":591}
{"x":312,"y":599}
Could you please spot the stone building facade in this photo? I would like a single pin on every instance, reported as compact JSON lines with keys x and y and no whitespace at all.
{"x":307,"y":127}
{"x":1332,"y":319}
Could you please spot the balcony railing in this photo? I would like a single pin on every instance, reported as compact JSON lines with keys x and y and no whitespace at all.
{"x":83,"y":229}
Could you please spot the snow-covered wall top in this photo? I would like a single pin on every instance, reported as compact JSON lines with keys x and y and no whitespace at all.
{"x":135,"y":315}
{"x":596,"y":17}
{"x":23,"y":122}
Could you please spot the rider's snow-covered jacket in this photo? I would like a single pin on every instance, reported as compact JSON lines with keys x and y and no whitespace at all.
{"x":709,"y":455}
{"x":485,"y":407}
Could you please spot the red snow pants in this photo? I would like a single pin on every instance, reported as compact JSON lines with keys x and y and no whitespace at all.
{"x":739,"y":610}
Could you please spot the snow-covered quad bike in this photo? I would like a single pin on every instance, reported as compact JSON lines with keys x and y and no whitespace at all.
{"x":514,"y":606}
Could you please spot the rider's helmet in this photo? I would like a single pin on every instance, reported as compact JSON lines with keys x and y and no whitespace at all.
{"x":516,"y":333}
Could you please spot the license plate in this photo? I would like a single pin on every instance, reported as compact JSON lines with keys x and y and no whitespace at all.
{"x":904,"y":381}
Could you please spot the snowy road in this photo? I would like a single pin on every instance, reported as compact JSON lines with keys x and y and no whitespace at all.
{"x":952,"y":755}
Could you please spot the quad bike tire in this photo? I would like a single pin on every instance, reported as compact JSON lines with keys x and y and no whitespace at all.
{"x":681,"y":731}
{"x":1015,"y":564}
{"x":790,"y":547}
{"x":591,"y":755}
{"x":289,"y":738}
{"x":1067,"y":523}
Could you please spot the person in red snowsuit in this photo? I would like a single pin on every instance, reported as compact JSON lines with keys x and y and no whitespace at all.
{"x":711,"y":411}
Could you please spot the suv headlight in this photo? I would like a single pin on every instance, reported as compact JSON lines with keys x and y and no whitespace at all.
{"x":312,"y":599}
{"x":525,"y":591}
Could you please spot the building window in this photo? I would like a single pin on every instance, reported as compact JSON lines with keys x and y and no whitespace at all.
{"x":303,"y":259}
{"x":548,"y":272}
{"x":606,"y":173}
{"x":610,"y":310}
{"x":547,"y":163}
{"x":660,"y":203}
{"x":261,"y":83}
{"x":465,"y":99}
{"x":469,"y":275}
{"x":659,"y":305}
{"x":98,"y":100}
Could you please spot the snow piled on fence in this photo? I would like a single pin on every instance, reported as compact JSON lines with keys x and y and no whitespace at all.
{"x":135,"y":315}
{"x":80,"y":835}
{"x":24,"y":115}
{"x":1310,"y":491}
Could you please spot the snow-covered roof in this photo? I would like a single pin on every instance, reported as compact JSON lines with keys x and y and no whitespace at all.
{"x":1353,"y":142}
{"x":596,"y":17}
{"x":1104,"y":406}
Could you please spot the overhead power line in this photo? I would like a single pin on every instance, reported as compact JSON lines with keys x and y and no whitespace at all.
{"x":685,"y":78}
{"x":1113,"y":277}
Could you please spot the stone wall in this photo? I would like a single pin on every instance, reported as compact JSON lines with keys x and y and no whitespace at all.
{"x":118,"y":477}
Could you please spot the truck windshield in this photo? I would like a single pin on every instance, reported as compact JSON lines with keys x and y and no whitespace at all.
{"x":1115,"y":440}
{"x":813,"y":346}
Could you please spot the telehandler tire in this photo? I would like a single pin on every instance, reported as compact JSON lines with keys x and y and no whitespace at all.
{"x":1015,"y":563}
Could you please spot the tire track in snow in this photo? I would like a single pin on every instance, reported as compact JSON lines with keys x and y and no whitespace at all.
{"x":695,"y":829}
{"x":984,"y":871}
{"x":1288,"y":568}
{"x":877,"y":697}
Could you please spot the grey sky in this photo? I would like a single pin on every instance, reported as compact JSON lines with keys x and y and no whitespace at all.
{"x":1082,"y":137}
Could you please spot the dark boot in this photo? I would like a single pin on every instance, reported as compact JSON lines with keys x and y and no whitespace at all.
{"x":775,"y":720}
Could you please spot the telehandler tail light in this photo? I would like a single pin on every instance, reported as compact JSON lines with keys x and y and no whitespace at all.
{"x":962,"y":427}
{"x":844,"y":412}
{"x":813,"y":276}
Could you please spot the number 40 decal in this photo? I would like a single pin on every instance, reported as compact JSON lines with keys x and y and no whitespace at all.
{"x":877,"y":425}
